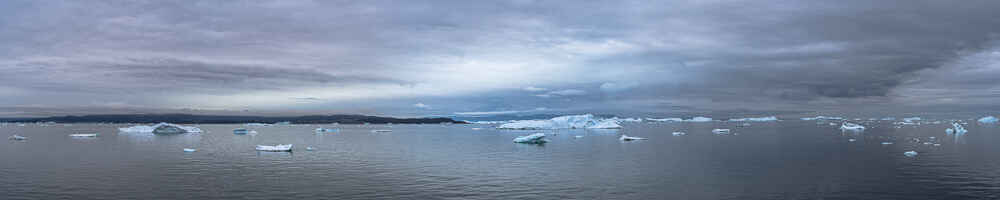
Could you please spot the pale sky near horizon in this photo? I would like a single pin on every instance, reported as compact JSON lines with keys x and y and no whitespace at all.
{"x":421,"y":58}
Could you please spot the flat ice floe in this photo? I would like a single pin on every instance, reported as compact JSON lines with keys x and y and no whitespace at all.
{"x":189,"y":150}
{"x":910,"y":153}
{"x":821,"y":118}
{"x":564,"y":122}
{"x":630,"y":138}
{"x":679,"y":133}
{"x":847,"y":126}
{"x":988,"y":120}
{"x":756,"y":119}
{"x":280,"y":147}
{"x":83,"y":135}
{"x":665,"y":119}
{"x":537,"y":138}
{"x":721,"y":131}
{"x":149,"y":129}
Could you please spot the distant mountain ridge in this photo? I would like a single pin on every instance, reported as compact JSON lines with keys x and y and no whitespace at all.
{"x":223,"y":119}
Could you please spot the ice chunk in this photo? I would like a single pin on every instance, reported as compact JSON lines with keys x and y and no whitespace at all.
{"x":578,"y":136}
{"x":911,"y":119}
{"x":280,"y":147}
{"x":17,"y":137}
{"x":822,"y":118}
{"x":699,"y":119}
{"x":847,"y":126}
{"x":958,"y":128}
{"x":679,"y":133}
{"x":256,"y":124}
{"x":949,"y":131}
{"x":564,"y":122}
{"x":189,"y":150}
{"x":325,"y":130}
{"x":888,"y":119}
{"x":886,"y":143}
{"x":852,"y":140}
{"x":666,"y":119}
{"x":937,"y":145}
{"x":240,"y":131}
{"x":83,"y":135}
{"x":310,"y":149}
{"x":756,"y":119}
{"x":151,"y":129}
{"x":476,"y":129}
{"x":720,"y":131}
{"x":537,"y":138}
{"x":928,"y":143}
{"x":988,"y":120}
{"x":629,"y":138}
{"x":910,"y":153}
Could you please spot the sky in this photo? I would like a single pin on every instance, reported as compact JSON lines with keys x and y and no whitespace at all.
{"x":459,"y":58}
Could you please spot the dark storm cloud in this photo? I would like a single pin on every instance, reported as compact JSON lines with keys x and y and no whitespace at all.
{"x":476,"y":56}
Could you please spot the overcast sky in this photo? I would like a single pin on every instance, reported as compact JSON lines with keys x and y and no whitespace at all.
{"x":419,"y":58}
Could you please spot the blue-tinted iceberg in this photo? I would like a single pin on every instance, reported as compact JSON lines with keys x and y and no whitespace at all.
{"x":537,"y":138}
{"x":161,"y":126}
{"x":988,"y":120}
{"x":958,"y":129}
{"x":910,"y":153}
{"x":564,"y":122}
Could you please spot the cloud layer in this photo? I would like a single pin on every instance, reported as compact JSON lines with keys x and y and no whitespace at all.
{"x":379,"y":57}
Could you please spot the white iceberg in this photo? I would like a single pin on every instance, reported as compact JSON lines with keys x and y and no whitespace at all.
{"x":190,"y":150}
{"x":847,"y":126}
{"x":958,"y":128}
{"x":17,"y":137}
{"x":720,"y":131}
{"x":537,"y":138}
{"x":910,"y":153}
{"x":630,"y":138}
{"x":679,"y":133}
{"x":911,"y":119}
{"x":699,"y":119}
{"x":150,"y":129}
{"x":821,"y":118}
{"x":665,"y":119}
{"x":756,"y":119}
{"x":988,"y":120}
{"x":564,"y":122}
{"x":83,"y":135}
{"x":280,"y":147}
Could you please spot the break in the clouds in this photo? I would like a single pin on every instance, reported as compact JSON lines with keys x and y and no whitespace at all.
{"x":378,"y":57}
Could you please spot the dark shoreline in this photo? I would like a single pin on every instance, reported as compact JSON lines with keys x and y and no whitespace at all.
{"x":223,"y":119}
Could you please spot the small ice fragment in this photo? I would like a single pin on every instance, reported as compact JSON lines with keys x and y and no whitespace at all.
{"x":537,"y":138}
{"x":928,"y":143}
{"x":755,"y":119}
{"x":937,"y":145}
{"x":988,"y":120}
{"x":83,"y":135}
{"x":310,"y":148}
{"x":477,"y":129}
{"x":381,"y":131}
{"x":325,"y":130}
{"x":17,"y":137}
{"x":848,"y":126}
{"x":280,"y":147}
{"x":852,"y":140}
{"x":679,"y":133}
{"x":578,"y":136}
{"x":910,"y":153}
{"x":886,"y":143}
{"x":189,"y":150}
{"x":932,"y":137}
{"x":629,"y":138}
{"x":720,"y":131}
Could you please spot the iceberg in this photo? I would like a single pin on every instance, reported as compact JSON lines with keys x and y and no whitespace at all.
{"x":276,"y":148}
{"x":847,"y":126}
{"x":17,"y":137}
{"x":949,"y":131}
{"x":665,"y":119}
{"x":564,"y":122}
{"x":628,"y":119}
{"x":911,"y":119}
{"x":83,"y":135}
{"x":189,"y":150}
{"x":756,"y":119}
{"x":630,"y":138}
{"x":821,"y":118}
{"x":910,"y":153}
{"x":537,"y":138}
{"x":988,"y":120}
{"x":679,"y":133}
{"x":958,"y":128}
{"x":151,"y":129}
{"x":720,"y":131}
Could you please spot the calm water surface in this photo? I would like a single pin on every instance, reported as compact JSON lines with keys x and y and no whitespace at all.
{"x":775,"y":160}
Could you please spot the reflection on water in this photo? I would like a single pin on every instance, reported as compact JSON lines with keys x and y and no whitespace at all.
{"x":773,"y":160}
